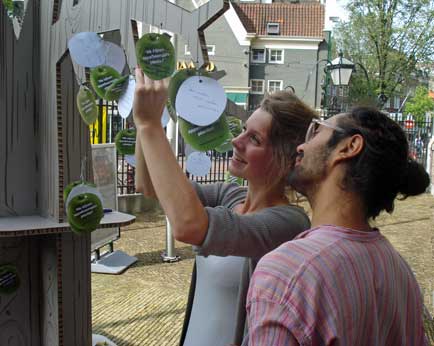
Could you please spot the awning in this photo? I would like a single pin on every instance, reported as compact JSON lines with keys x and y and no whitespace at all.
{"x":237,"y":97}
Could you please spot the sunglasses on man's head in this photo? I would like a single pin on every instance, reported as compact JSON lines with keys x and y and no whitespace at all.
{"x":315,"y":124}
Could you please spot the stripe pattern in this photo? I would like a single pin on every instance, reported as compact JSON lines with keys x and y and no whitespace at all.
{"x":335,"y":286}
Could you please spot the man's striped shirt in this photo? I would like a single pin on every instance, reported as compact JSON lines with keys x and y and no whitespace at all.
{"x":335,"y":286}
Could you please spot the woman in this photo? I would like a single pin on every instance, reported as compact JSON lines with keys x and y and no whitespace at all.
{"x":224,"y":219}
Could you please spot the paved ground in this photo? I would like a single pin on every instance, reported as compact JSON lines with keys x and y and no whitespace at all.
{"x":145,"y":305}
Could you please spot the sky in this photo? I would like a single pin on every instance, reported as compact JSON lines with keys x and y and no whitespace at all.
{"x":335,"y":9}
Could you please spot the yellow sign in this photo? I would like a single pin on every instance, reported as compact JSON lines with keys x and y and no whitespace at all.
{"x":95,"y":136}
{"x":182,"y":65}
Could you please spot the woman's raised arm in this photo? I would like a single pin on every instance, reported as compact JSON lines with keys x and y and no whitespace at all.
{"x":174,"y":191}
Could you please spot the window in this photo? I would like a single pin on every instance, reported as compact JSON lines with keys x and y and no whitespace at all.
{"x":275,"y":56}
{"x":211,"y":49}
{"x":258,"y":55}
{"x":274,"y":85}
{"x":273,"y":29}
{"x":387,"y":103}
{"x":257,"y":86}
{"x":186,"y":51}
{"x":397,"y":102}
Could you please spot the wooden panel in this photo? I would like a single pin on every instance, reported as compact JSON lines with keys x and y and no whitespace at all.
{"x":75,"y":290}
{"x":73,"y":134}
{"x":19,"y":138}
{"x":49,"y":297}
{"x":19,"y":311}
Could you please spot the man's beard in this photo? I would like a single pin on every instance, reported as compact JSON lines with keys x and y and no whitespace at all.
{"x":306,"y":176}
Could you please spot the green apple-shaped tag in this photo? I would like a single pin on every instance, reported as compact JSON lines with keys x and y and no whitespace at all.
{"x":225,"y":146}
{"x":86,"y":105}
{"x":70,"y":186}
{"x":156,"y":55}
{"x":235,"y":125}
{"x":115,"y":90}
{"x":125,"y":141}
{"x":9,"y":279}
{"x":85,"y":212}
{"x":229,"y":178}
{"x":102,"y":77}
{"x":203,"y":138}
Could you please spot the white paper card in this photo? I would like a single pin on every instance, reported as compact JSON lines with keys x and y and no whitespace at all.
{"x":114,"y":56}
{"x":87,"y":49}
{"x":200,"y":100}
{"x":198,"y":164}
{"x":125,"y":103}
{"x":131,"y":160}
{"x":82,"y":188}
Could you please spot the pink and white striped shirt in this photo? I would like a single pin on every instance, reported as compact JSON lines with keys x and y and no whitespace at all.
{"x":335,"y":286}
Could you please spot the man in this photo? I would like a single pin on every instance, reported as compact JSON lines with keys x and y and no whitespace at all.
{"x":342,"y":282}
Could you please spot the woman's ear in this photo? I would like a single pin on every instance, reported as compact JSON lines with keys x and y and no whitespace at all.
{"x":349,"y":147}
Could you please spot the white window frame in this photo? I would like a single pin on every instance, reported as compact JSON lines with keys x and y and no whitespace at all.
{"x":186,"y":51}
{"x":274,"y":80}
{"x":208,"y":46}
{"x":396,"y":102}
{"x":273,"y":24}
{"x":212,"y":46}
{"x":276,"y":62}
{"x":387,"y":103}
{"x":257,"y":92}
{"x":261,"y":61}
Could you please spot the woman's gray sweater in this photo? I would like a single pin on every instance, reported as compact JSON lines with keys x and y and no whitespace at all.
{"x":250,"y":236}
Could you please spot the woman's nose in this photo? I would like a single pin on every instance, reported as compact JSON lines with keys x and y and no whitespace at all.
{"x":237,"y":141}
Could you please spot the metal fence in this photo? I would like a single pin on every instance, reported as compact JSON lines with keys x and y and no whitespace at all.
{"x":110,"y":123}
{"x":418,"y":135}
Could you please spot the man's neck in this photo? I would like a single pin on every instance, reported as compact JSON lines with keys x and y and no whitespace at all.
{"x":333,"y":206}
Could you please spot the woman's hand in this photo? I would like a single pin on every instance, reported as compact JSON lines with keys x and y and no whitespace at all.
{"x":149,"y":100}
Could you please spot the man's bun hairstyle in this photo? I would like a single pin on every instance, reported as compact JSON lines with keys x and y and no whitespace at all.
{"x":382,"y":171}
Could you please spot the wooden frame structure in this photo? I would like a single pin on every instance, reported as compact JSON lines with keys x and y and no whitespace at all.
{"x":42,"y":143}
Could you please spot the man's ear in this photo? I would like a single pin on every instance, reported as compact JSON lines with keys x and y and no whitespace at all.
{"x":349,"y":148}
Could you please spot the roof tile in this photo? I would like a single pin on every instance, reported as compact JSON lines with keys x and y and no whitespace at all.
{"x":300,"y":20}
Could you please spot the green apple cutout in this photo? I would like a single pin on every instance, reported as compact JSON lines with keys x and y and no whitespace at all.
{"x":235,"y":125}
{"x":156,"y":55}
{"x":125,"y":141}
{"x":101,"y":78}
{"x":115,"y":90}
{"x":86,"y":105}
{"x":9,"y":279}
{"x":235,"y":128}
{"x":70,"y":186}
{"x":203,"y":138}
{"x":225,"y":146}
{"x":84,"y":212}
{"x":229,"y":178}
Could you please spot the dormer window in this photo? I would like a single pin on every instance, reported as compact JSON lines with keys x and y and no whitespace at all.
{"x":273,"y":29}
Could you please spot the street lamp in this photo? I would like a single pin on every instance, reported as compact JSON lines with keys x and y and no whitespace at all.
{"x":340,"y":70}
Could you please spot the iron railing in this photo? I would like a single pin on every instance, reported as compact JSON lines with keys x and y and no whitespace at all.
{"x":418,"y":135}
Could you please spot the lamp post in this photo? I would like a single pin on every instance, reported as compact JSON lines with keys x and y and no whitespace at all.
{"x":340,"y":70}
